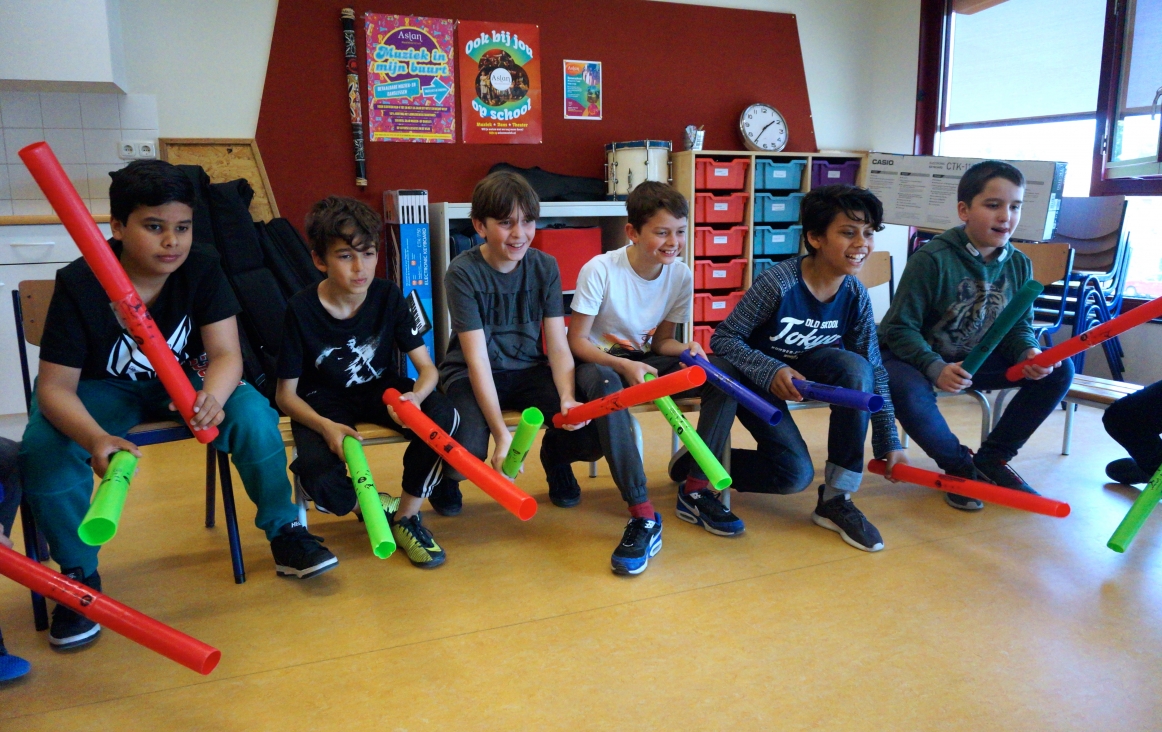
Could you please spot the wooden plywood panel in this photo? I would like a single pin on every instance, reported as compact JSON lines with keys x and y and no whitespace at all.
{"x":223,"y":161}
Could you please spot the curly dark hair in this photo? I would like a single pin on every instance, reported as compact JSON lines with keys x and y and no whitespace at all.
{"x":822,"y":205}
{"x":338,"y":217}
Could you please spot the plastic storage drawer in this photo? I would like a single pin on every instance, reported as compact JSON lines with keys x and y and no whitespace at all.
{"x":714,"y":308}
{"x":571,"y":247}
{"x":711,"y":209}
{"x":824,"y":173}
{"x":713,"y":175}
{"x":702,"y":334}
{"x":770,"y":209}
{"x":719,"y":242}
{"x":769,"y":241}
{"x":772,"y":176}
{"x":762,"y":265}
{"x":718,"y":276}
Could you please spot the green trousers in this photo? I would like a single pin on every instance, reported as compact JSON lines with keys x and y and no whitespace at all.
{"x":58,"y":482}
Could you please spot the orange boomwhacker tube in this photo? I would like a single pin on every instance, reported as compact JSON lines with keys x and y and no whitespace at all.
{"x":974,"y":489}
{"x":1092,"y":337}
{"x":59,"y":190}
{"x":519,"y":503}
{"x":122,"y":619}
{"x":631,"y":396}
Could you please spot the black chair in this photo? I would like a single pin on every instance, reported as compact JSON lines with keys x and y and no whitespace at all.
{"x":30,"y":305}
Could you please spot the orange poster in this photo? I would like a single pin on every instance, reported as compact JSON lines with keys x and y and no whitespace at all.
{"x":500,"y":78}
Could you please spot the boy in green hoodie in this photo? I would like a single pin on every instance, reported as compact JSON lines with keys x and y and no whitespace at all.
{"x":951,"y":292}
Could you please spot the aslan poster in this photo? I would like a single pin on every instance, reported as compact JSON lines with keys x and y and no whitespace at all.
{"x":500,"y":77}
{"x":582,"y":89}
{"x":410,"y":78}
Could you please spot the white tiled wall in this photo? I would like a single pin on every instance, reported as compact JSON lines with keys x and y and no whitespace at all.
{"x":84,"y":130}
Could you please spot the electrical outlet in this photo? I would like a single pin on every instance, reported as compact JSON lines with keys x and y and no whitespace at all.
{"x":137,"y":150}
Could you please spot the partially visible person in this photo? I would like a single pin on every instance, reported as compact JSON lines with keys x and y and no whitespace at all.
{"x":1135,"y":421}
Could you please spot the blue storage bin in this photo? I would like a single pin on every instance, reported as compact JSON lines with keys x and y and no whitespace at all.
{"x":775,"y":176}
{"x":770,"y":209}
{"x":769,"y":241}
{"x":760,"y":266}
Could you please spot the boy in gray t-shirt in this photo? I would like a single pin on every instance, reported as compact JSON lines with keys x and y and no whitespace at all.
{"x":500,"y":296}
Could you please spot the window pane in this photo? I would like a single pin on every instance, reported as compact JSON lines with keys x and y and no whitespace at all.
{"x":1136,"y":138}
{"x":1144,"y":222}
{"x":1136,"y":134}
{"x":1026,"y":58}
{"x":1069,"y":142}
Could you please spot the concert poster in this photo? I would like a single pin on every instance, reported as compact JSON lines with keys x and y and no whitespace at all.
{"x":411,"y":94}
{"x":500,"y":79}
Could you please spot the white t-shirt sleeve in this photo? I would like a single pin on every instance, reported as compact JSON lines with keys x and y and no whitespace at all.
{"x":680,"y":307}
{"x":592,"y":286}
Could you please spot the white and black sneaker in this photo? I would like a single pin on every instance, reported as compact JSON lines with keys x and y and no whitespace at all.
{"x":299,"y":553}
{"x":69,"y":628}
{"x":841,"y":516}
{"x":642,"y":539}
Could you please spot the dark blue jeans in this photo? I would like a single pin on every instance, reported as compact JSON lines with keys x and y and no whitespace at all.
{"x":1135,"y":422}
{"x":782,"y":463}
{"x":914,"y":397}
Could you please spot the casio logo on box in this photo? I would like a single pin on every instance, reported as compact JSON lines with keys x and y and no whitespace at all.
{"x":883,"y":162}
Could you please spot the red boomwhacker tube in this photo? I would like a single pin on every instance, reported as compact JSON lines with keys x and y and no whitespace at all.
{"x":519,"y":503}
{"x":631,"y":396}
{"x":122,"y":619}
{"x":973,"y":489}
{"x":1092,"y":337}
{"x":59,"y":190}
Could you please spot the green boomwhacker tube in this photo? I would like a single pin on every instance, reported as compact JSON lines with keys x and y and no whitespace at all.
{"x":100,"y":522}
{"x":531,"y":420}
{"x":1137,"y":514}
{"x":715,"y":473}
{"x":382,"y":542}
{"x":1005,"y":321}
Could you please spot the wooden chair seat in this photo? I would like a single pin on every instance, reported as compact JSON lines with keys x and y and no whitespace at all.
{"x":1098,"y":391}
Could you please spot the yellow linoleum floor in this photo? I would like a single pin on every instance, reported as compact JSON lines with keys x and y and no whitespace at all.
{"x":998,"y":620}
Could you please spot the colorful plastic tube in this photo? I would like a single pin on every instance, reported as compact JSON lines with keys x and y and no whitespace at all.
{"x":104,"y":514}
{"x":715,"y":473}
{"x":839,"y":396}
{"x":1017,"y":308}
{"x":973,"y":489}
{"x":754,"y":403}
{"x":531,"y":420}
{"x":1137,"y":515}
{"x":1092,"y":337}
{"x":139,"y":628}
{"x":519,"y":503}
{"x":631,"y":396}
{"x":382,"y":542}
{"x":51,"y":178}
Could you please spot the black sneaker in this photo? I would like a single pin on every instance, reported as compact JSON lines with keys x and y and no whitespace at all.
{"x":563,"y":489}
{"x":299,"y":553}
{"x":1001,"y":473}
{"x":679,"y":467}
{"x":841,"y":516}
{"x":964,"y":503}
{"x":417,"y":542}
{"x":69,"y":628}
{"x":703,"y":508}
{"x":446,"y":498}
{"x":642,"y":539}
{"x":1126,"y":470}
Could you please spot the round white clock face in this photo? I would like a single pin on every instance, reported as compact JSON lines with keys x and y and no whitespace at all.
{"x":763,"y":128}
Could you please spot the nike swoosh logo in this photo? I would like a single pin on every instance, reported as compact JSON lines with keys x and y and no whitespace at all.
{"x":415,"y":330}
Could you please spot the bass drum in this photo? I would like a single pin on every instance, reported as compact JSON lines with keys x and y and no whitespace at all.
{"x":629,"y":163}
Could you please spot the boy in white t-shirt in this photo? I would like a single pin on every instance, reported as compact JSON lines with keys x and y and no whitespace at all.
{"x":627,"y":305}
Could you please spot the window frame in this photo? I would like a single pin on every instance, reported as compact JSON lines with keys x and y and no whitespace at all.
{"x":1113,"y":47}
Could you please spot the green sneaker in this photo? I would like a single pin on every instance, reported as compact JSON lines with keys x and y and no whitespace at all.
{"x":390,"y":505}
{"x":417,"y":542}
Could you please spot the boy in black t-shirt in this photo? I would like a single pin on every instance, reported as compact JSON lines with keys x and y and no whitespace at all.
{"x":337,"y":360}
{"x":95,"y":384}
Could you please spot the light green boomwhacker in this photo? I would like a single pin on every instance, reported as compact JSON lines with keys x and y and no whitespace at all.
{"x":531,"y":420}
{"x":715,"y":473}
{"x":104,"y":514}
{"x":382,"y":542}
{"x":1137,"y":514}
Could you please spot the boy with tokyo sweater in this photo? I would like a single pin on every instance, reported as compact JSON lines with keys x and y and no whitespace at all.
{"x":808,"y":318}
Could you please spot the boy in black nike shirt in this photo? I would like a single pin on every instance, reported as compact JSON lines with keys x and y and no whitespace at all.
{"x":336,"y":361}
